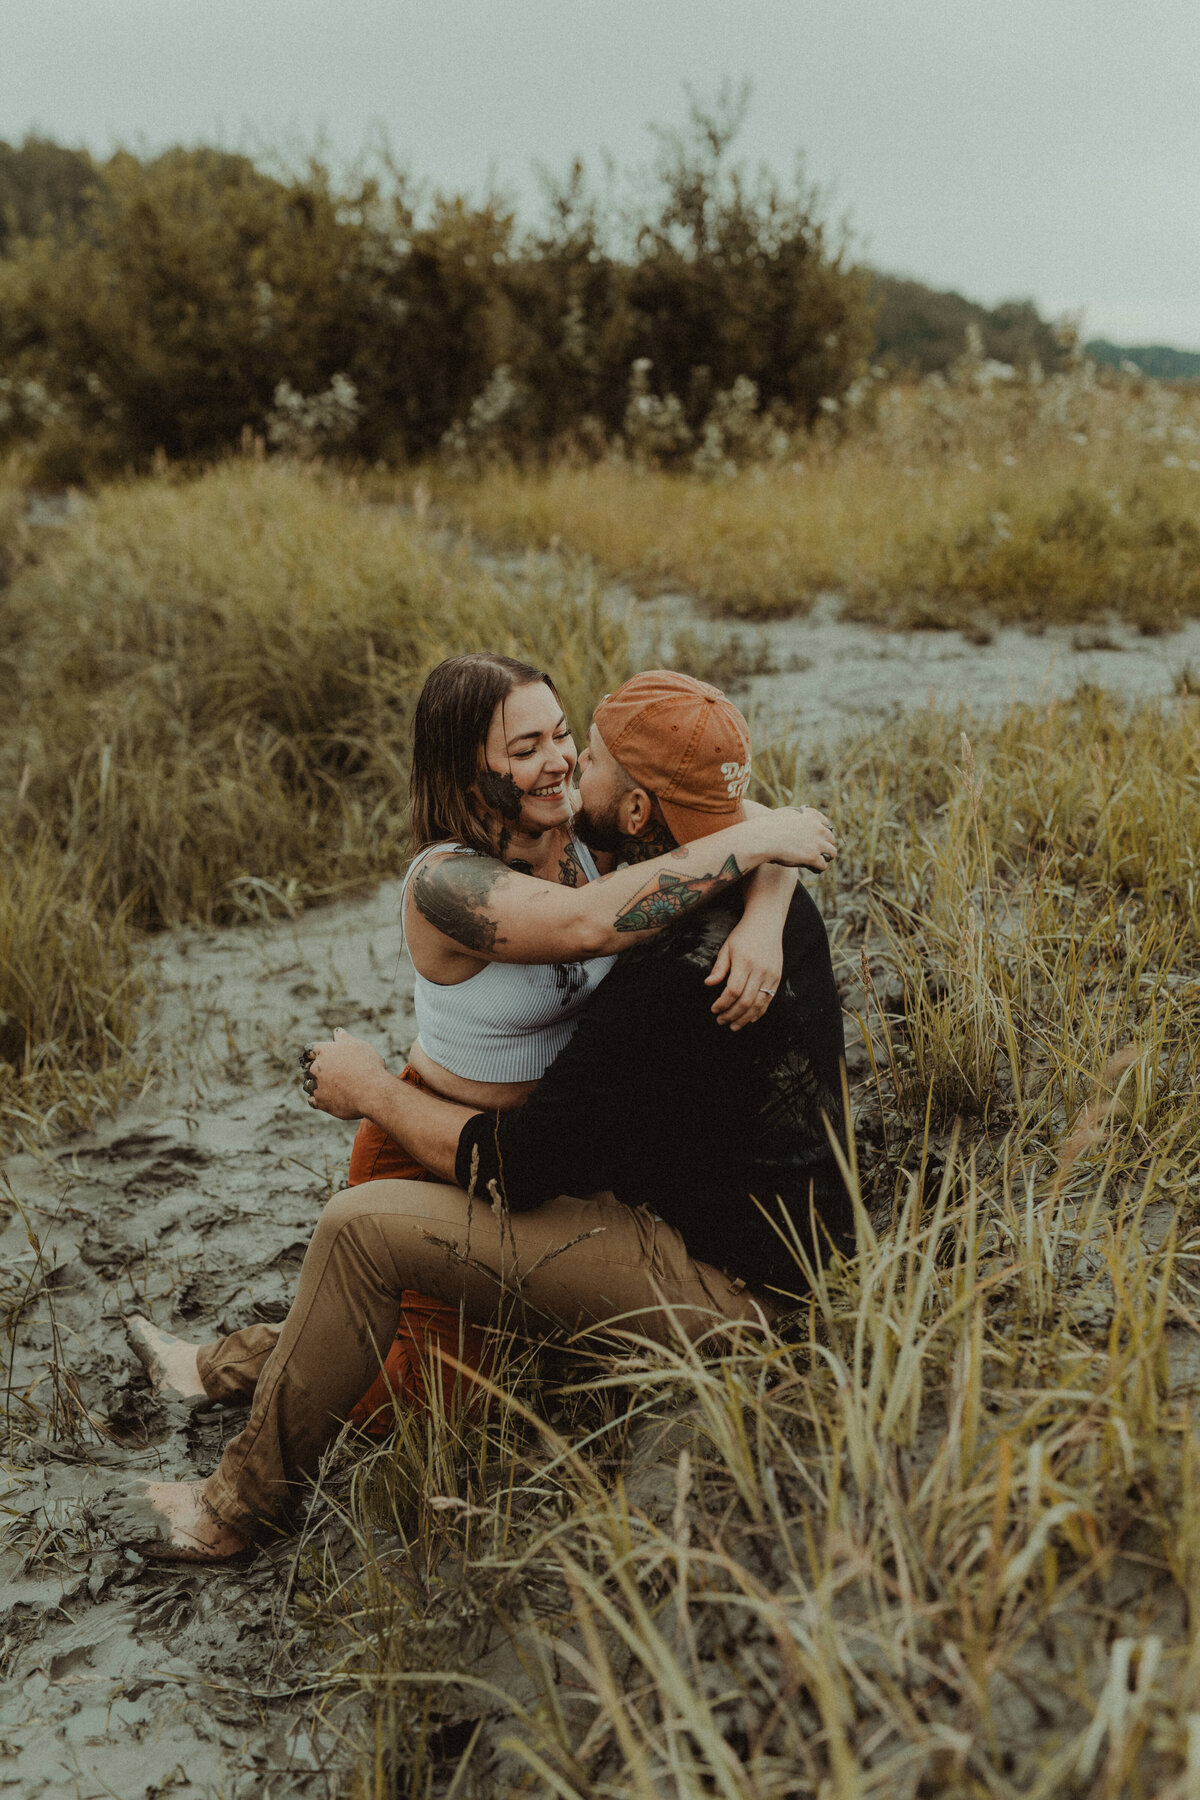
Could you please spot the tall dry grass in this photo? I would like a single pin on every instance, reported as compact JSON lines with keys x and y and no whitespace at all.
{"x":217,"y":679}
{"x":948,"y":504}
{"x":211,"y":684}
{"x":70,"y":996}
{"x":937,"y":1534}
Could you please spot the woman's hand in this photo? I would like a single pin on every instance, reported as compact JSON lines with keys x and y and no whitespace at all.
{"x":750,"y":963}
{"x":342,"y":1074}
{"x":798,"y":837}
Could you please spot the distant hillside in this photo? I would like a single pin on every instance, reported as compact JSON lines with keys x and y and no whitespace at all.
{"x":919,"y":327}
{"x":1151,"y":359}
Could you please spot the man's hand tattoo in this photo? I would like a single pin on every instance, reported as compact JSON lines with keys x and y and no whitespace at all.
{"x":669,"y":896}
{"x":453,"y":897}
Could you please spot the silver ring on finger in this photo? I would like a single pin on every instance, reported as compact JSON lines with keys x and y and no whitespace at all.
{"x":310,"y":1084}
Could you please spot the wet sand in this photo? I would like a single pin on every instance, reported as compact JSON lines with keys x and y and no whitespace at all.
{"x":194,"y":1205}
{"x":821,"y":674}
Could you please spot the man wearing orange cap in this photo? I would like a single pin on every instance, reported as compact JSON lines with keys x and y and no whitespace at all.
{"x":705,"y":1152}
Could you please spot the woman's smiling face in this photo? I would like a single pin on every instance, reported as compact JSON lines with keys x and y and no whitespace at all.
{"x":530,"y":758}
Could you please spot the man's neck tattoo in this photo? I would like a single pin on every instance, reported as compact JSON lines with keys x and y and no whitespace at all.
{"x":656,"y":840}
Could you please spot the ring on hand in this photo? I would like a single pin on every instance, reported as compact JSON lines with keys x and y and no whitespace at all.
{"x":770,"y":991}
{"x":310,"y":1083}
{"x":306,"y":1056}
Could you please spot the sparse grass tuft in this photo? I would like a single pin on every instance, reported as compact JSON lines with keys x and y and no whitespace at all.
{"x":14,"y":533}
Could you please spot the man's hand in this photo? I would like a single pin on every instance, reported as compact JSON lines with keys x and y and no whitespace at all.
{"x":344,"y":1075}
{"x":798,"y":837}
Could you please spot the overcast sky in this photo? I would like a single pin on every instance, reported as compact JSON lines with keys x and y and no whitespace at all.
{"x":1040,"y":148}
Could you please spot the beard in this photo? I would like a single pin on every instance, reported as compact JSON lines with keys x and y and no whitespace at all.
{"x":597,"y":831}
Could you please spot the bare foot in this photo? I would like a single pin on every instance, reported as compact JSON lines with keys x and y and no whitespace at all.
{"x":194,"y":1532}
{"x":170,"y":1361}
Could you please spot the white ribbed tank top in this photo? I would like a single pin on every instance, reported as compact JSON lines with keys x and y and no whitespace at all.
{"x":510,"y":1020}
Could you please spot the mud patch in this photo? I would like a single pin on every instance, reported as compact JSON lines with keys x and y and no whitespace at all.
{"x":119,"y":1675}
{"x":822,"y":674}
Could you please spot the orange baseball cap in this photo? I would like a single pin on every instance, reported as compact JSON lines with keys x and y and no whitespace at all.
{"x":685,"y":743}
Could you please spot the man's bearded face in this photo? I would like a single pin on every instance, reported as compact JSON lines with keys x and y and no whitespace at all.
{"x":597,"y":824}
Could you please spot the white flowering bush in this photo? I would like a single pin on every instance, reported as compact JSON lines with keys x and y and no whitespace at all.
{"x":655,"y":428}
{"x":304,"y":425}
{"x":737,"y":432}
{"x":482,"y":435}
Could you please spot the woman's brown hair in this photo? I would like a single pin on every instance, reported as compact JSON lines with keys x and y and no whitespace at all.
{"x":449,"y":736}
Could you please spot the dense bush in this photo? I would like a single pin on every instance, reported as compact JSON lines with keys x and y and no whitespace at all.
{"x":180,"y":302}
{"x":194,"y":285}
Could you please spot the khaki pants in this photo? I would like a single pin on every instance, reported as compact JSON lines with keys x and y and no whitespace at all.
{"x":571,"y":1264}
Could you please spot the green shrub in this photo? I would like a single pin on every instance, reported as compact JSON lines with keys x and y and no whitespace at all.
{"x":193,"y":287}
{"x":194,"y":297}
{"x":43,"y":186}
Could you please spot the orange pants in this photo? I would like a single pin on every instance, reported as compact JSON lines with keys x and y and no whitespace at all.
{"x":428,"y":1329}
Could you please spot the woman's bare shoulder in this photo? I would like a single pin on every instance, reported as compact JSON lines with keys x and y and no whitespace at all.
{"x":445,"y":915}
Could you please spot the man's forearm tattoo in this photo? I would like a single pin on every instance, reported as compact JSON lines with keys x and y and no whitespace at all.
{"x":453,"y":897}
{"x":669,"y":896}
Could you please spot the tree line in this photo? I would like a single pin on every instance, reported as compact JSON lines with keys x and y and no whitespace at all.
{"x":179,"y":302}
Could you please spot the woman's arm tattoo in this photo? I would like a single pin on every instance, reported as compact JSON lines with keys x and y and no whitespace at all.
{"x":453,"y":897}
{"x":669,"y":896}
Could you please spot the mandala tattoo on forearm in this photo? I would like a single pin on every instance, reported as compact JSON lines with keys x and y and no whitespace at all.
{"x":454,"y":896}
{"x":669,"y":896}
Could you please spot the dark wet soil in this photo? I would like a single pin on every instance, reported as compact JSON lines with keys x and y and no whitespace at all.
{"x":120,"y":1676}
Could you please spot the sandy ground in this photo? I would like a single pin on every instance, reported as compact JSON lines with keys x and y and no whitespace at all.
{"x":118,"y":1677}
{"x":821,"y":675}
{"x":122,"y":1677}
